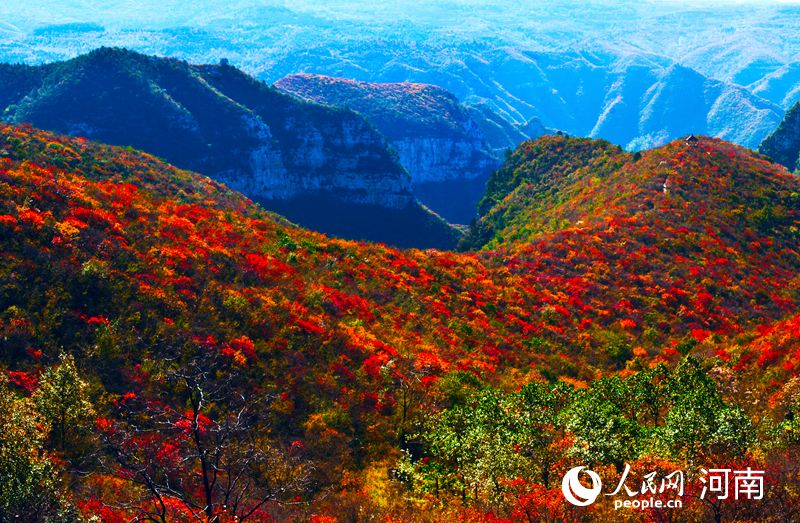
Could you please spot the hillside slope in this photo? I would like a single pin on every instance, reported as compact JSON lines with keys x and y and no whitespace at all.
{"x":149,"y":277}
{"x":558,"y":183}
{"x":321,"y":167}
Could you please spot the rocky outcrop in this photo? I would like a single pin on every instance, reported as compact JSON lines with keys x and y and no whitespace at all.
{"x":783,"y":145}
{"x":218,"y":121}
{"x":310,"y":150}
{"x":437,"y":139}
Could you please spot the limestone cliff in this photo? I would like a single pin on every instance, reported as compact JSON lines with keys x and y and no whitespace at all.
{"x":437,"y":139}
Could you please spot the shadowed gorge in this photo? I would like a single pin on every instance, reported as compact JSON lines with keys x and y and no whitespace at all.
{"x":439,"y":141}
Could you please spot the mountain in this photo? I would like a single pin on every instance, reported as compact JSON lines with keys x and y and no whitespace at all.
{"x":607,"y":81}
{"x":783,"y":144}
{"x":438,"y":140}
{"x":522,"y":196}
{"x":580,"y":186}
{"x":214,"y":351}
{"x":781,"y":84}
{"x":637,"y":100}
{"x":322,"y":167}
{"x":500,"y":133}
{"x":746,"y":41}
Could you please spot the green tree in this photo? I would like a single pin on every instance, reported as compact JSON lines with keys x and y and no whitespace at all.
{"x":535,"y":411}
{"x":467,"y":449}
{"x":30,"y":489}
{"x":603,"y":432}
{"x":63,"y":401}
{"x":698,"y":421}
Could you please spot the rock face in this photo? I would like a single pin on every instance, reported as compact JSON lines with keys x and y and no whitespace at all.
{"x":783,"y":145}
{"x":218,"y":121}
{"x":437,"y":139}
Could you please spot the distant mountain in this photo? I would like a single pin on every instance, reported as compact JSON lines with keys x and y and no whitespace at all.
{"x":322,"y":167}
{"x":637,"y":100}
{"x":781,"y":84}
{"x":500,"y":133}
{"x":534,"y":128}
{"x":783,"y":145}
{"x":765,"y":62}
{"x":557,"y":51}
{"x":437,"y":139}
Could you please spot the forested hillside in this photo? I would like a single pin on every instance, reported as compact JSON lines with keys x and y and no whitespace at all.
{"x":182,"y":354}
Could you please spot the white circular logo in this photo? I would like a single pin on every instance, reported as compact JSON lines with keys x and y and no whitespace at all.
{"x":574,"y":490}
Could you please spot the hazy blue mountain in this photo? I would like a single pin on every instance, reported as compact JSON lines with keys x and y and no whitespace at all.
{"x":780,"y":85}
{"x":626,"y":71}
{"x":636,"y":101}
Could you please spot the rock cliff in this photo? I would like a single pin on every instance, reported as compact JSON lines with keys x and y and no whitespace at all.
{"x":439,"y":141}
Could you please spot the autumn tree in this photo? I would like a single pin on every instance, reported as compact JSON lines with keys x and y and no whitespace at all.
{"x":30,"y":486}
{"x":63,"y":400}
{"x":204,"y":448}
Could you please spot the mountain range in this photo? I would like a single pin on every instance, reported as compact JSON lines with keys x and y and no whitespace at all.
{"x":305,"y":160}
{"x":731,"y":78}
{"x":637,"y":101}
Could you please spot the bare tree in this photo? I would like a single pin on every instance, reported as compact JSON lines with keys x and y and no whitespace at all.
{"x":203,"y":446}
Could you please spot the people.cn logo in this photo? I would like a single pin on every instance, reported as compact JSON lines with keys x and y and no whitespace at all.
{"x":575,"y":492}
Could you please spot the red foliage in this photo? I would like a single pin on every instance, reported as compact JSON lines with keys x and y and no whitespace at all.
{"x":26,"y":381}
